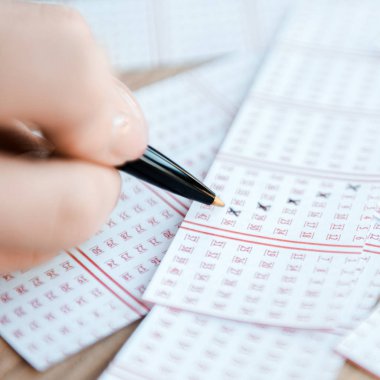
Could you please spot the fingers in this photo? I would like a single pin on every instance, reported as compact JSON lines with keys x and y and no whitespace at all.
{"x":112,"y":132}
{"x":13,"y":260}
{"x":65,"y":86}
{"x":49,"y":205}
{"x":18,"y":139}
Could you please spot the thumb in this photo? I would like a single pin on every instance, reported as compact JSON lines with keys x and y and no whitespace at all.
{"x":111,"y":132}
{"x":66,"y":87}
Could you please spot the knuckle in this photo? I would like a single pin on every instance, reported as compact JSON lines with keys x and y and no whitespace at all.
{"x":73,"y":21}
{"x":78,"y":212}
{"x":69,"y":24}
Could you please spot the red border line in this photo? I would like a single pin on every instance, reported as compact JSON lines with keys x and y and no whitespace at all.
{"x":274,"y":169}
{"x":177,"y":200}
{"x":111,"y":279}
{"x":163,"y":199}
{"x":269,"y":245}
{"x":263,"y":167}
{"x":373,"y":245}
{"x":102,"y":283}
{"x":369,"y":251}
{"x":276,"y":239}
{"x":271,"y":163}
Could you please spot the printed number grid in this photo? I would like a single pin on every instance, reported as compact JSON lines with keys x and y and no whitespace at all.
{"x":172,"y":344}
{"x":299,"y":172}
{"x":82,"y":295}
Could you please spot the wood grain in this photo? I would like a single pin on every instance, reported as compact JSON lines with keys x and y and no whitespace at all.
{"x":89,"y":363}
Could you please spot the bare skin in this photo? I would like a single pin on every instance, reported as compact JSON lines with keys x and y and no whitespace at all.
{"x":55,"y":79}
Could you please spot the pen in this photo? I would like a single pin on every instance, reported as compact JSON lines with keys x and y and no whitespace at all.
{"x":161,"y":171}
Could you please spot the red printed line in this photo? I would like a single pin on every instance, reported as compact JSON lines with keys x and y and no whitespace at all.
{"x":369,"y":251}
{"x":275,"y":239}
{"x":269,"y":163}
{"x":177,"y":200}
{"x":129,"y":371}
{"x":318,"y":107}
{"x":106,"y":286}
{"x":269,"y":245}
{"x":111,"y":279}
{"x":163,"y":199}
{"x":305,"y":174}
{"x":373,"y":245}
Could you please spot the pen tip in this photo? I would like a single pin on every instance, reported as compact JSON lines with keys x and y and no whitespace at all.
{"x":218,"y":202}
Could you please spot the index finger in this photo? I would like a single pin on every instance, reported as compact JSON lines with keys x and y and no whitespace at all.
{"x":66,"y":87}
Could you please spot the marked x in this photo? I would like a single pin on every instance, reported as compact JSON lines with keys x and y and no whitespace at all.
{"x":231,"y":211}
{"x":263,"y":207}
{"x":353,"y":187}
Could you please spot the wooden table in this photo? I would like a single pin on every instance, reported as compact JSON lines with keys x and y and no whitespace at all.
{"x":89,"y":363}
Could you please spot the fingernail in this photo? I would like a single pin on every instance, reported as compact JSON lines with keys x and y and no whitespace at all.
{"x":120,"y":128}
{"x":131,"y":104}
{"x":120,"y":124}
{"x":129,"y":137}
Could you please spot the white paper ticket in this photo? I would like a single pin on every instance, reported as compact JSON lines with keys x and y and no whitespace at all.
{"x":172,"y":344}
{"x":362,"y":346}
{"x":300,"y":174}
{"x":366,"y":293}
{"x":150,"y":33}
{"x":88,"y":292}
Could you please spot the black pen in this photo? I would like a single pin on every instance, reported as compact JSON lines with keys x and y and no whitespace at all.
{"x":161,"y":171}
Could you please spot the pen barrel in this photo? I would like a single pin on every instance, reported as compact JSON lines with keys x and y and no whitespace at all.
{"x":157,"y":169}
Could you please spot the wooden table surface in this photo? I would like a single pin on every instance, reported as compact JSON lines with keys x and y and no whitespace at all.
{"x":89,"y":363}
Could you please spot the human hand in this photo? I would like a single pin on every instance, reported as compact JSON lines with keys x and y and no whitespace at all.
{"x":56,"y":79}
